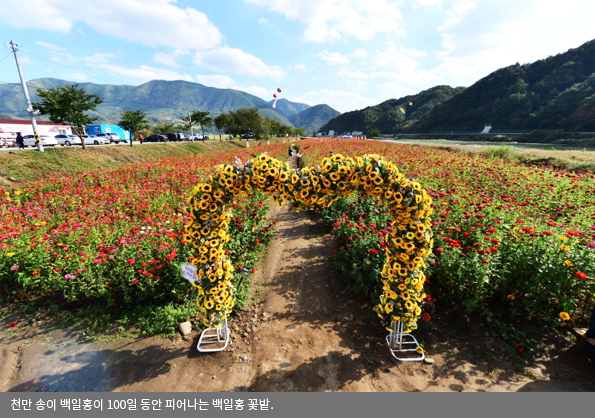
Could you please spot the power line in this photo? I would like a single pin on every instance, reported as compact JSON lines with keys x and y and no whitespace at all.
{"x":62,"y":65}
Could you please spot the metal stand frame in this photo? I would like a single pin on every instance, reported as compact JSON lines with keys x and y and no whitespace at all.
{"x":214,"y":336}
{"x":397,"y":341}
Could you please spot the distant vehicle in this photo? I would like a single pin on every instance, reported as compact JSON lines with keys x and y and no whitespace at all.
{"x":155,"y":138}
{"x":67,"y":140}
{"x":181,"y":136}
{"x":347,"y":136}
{"x":8,"y":139}
{"x":95,"y":140}
{"x":113,"y":137}
{"x":248,"y":136}
{"x":171,"y":136}
{"x":45,"y":140}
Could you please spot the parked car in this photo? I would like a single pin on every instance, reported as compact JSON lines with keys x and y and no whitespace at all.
{"x":45,"y":140}
{"x":171,"y":136}
{"x":181,"y":136}
{"x":67,"y":140}
{"x":155,"y":138}
{"x":114,"y":138}
{"x":95,"y":140}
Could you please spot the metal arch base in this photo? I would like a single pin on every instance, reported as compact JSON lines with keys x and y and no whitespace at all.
{"x":398,"y":343}
{"x":213,"y":336}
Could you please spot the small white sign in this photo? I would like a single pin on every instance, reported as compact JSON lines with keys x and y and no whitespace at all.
{"x":189,"y":272}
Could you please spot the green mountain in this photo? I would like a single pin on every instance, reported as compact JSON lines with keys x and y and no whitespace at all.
{"x":554,"y":93}
{"x":313,"y":118}
{"x":557,"y":92}
{"x":394,"y":115}
{"x":162,"y":101}
{"x":287,"y":108}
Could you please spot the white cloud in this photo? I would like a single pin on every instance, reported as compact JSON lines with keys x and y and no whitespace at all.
{"x":333,"y":58}
{"x":58,"y":54}
{"x":36,"y":13}
{"x":258,"y":91}
{"x":50,"y":46}
{"x":236,"y":61}
{"x":359,"y":53}
{"x":479,"y":37}
{"x":145,"y":22}
{"x":300,"y":67}
{"x":327,"y":20}
{"x":171,"y":58}
{"x":140,"y":74}
{"x":79,"y":76}
{"x":342,"y":101}
{"x":216,"y":80}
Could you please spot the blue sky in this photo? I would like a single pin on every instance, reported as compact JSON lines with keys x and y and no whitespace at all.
{"x":349,"y":54}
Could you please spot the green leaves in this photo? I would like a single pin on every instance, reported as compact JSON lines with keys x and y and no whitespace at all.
{"x":68,"y":104}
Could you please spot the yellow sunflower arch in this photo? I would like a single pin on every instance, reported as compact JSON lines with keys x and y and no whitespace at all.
{"x":406,"y":246}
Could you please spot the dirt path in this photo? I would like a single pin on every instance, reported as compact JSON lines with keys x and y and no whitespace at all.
{"x":299,"y":333}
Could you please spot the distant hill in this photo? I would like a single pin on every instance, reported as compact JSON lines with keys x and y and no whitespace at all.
{"x":394,"y":115}
{"x":162,"y":101}
{"x":553,"y":93}
{"x":287,"y":108}
{"x":557,"y":92}
{"x":313,"y":118}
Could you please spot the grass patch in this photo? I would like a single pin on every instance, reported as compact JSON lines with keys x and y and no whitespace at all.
{"x":30,"y":165}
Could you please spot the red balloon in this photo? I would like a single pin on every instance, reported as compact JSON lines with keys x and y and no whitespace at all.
{"x":275,"y":96}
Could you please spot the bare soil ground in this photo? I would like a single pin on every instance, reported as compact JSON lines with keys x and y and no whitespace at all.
{"x":301,"y":331}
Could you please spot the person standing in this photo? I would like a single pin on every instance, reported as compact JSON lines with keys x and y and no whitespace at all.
{"x":20,"y":141}
{"x":140,"y":137}
{"x":590,"y":344}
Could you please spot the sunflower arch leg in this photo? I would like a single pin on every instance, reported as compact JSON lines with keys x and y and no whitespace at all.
{"x":402,"y":345}
{"x":218,"y":337}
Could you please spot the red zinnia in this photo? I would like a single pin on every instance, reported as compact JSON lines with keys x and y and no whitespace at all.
{"x":13,"y":324}
{"x":426,"y":317}
{"x":135,"y":281}
{"x":131,"y":261}
{"x":580,"y":275}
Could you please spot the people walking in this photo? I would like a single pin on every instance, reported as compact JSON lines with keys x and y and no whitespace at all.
{"x":20,"y":141}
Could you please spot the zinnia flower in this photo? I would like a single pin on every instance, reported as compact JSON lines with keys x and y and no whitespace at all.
{"x":580,"y":275}
{"x":564,"y":316}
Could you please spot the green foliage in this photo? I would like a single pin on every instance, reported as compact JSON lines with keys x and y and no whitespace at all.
{"x":197,"y":118}
{"x":133,"y":121}
{"x":504,"y":152}
{"x":163,"y":128}
{"x":358,"y":227}
{"x":69,"y":105}
{"x":386,"y":117}
{"x":552,"y":93}
{"x":373,"y":133}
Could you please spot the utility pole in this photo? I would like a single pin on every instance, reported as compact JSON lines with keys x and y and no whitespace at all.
{"x":27,"y":99}
{"x":190,"y":122}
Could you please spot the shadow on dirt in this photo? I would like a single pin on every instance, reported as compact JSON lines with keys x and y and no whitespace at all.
{"x":325,"y":373}
{"x":89,"y":369}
